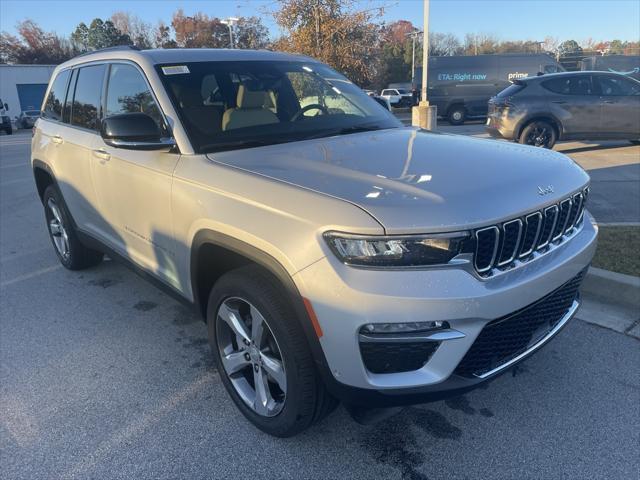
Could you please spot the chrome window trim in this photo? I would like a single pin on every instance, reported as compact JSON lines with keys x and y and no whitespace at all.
{"x":535,"y":239}
{"x":553,"y":225}
{"x":517,"y":245}
{"x":495,"y":248}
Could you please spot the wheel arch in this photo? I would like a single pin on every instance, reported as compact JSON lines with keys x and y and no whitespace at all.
{"x":209,"y":247}
{"x":43,"y":176}
{"x":555,"y":123}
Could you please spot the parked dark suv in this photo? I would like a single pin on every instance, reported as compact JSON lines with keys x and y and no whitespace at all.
{"x":567,"y":106}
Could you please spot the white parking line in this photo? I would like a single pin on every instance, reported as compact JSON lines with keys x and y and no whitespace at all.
{"x":28,"y":276}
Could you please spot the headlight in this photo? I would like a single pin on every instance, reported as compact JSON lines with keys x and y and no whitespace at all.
{"x":396,"y":251}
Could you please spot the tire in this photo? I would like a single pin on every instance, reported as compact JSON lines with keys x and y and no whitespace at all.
{"x":539,"y":133}
{"x":72,"y":254}
{"x":251,"y":292}
{"x":635,"y":142}
{"x":9,"y":131}
{"x":457,"y":115}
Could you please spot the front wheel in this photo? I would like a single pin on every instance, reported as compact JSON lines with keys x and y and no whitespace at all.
{"x":539,"y":134}
{"x":457,"y":115}
{"x":71,"y":252}
{"x":262,"y":355}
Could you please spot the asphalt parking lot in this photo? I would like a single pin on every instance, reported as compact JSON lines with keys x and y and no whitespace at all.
{"x":103,"y":376}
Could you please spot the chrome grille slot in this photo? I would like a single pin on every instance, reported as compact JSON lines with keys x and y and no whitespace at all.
{"x":511,"y":233}
{"x":563,"y":216}
{"x":486,"y":248}
{"x":575,"y":211}
{"x":533,"y":224}
{"x":550,"y":219}
{"x":522,"y":239}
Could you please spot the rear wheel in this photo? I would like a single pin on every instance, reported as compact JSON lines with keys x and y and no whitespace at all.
{"x":262,"y":355}
{"x":457,"y":115}
{"x":635,"y":142}
{"x":539,"y":133}
{"x":71,"y":252}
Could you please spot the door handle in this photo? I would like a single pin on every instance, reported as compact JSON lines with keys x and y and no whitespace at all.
{"x":56,"y":139}
{"x":559,"y":102}
{"x":102,"y":155}
{"x":608,"y":101}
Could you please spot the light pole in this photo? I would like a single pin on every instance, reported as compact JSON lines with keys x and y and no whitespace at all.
{"x":413,"y":36}
{"x":425,"y":115}
{"x":230,"y":22}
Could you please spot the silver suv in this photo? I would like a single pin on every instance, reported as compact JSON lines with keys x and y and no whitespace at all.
{"x":333,"y":253}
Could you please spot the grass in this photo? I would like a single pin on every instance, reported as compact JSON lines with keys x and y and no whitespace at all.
{"x":619,"y":250}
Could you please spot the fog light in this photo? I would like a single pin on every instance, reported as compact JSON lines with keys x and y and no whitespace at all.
{"x":406,"y":327}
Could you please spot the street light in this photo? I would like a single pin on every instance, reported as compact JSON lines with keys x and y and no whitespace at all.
{"x":230,"y":22}
{"x":413,"y":36}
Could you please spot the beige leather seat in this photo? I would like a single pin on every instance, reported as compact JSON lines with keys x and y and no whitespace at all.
{"x":251,"y":110}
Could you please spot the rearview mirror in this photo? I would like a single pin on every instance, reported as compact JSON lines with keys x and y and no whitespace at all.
{"x":134,"y":131}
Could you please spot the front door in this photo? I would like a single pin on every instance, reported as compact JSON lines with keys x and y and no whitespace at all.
{"x":134,"y":186}
{"x":620,"y":100}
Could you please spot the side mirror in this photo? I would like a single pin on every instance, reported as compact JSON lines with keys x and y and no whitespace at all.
{"x":133,"y":131}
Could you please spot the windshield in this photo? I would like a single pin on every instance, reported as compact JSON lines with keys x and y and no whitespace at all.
{"x":232,"y":105}
{"x":402,"y":91}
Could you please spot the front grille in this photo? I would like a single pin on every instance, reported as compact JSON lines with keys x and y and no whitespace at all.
{"x":499,"y":247}
{"x":382,"y":357}
{"x":505,"y":338}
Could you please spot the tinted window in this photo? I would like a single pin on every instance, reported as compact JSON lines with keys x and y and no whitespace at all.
{"x":617,"y":86}
{"x":127,"y":92}
{"x":55,"y":100}
{"x":570,"y":85}
{"x":511,"y":90}
{"x":86,"y":99}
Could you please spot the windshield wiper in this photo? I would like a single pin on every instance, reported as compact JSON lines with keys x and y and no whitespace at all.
{"x":345,"y":131}
{"x":239,"y":144}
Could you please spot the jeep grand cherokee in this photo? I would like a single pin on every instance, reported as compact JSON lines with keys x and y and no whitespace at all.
{"x":333,"y":253}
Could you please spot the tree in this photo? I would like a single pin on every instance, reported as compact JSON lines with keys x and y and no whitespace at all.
{"x":250,"y":32}
{"x":137,"y":30}
{"x":33,"y":45}
{"x":199,"y":31}
{"x":162,"y":37}
{"x":569,"y":48}
{"x":99,"y":34}
{"x":333,"y":32}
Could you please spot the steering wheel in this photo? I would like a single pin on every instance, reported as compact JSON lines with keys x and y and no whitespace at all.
{"x":311,"y":106}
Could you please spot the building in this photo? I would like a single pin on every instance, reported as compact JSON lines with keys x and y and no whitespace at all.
{"x":22,"y":87}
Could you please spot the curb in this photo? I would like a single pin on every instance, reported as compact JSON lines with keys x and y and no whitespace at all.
{"x":612,"y":287}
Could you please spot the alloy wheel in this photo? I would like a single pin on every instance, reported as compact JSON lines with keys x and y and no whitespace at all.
{"x":57,"y":229}
{"x":539,"y":137}
{"x":251,"y":357}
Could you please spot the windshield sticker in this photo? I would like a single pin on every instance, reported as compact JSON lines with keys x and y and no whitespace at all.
{"x":175,"y":70}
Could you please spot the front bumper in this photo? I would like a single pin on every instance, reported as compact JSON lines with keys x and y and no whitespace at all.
{"x":345,"y":298}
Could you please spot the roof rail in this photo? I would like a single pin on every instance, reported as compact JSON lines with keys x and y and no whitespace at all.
{"x":109,"y":49}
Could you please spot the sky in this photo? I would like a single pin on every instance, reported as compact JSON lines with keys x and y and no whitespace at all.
{"x":506,"y":19}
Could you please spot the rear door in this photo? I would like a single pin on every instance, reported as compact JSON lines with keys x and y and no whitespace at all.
{"x":134,"y":186}
{"x":620,"y":100}
{"x":75,"y":137}
{"x":575,"y":102}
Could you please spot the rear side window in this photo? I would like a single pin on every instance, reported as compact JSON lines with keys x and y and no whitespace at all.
{"x":511,"y":90}
{"x":55,"y":101}
{"x":127,"y":92}
{"x":572,"y":85}
{"x":611,"y":86}
{"x":85,"y":109}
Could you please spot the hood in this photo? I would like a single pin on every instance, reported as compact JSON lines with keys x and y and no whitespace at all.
{"x":417,"y":181}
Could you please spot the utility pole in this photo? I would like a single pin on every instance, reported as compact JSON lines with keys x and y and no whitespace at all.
{"x":230,"y":22}
{"x":414,"y":36}
{"x":425,"y":115}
